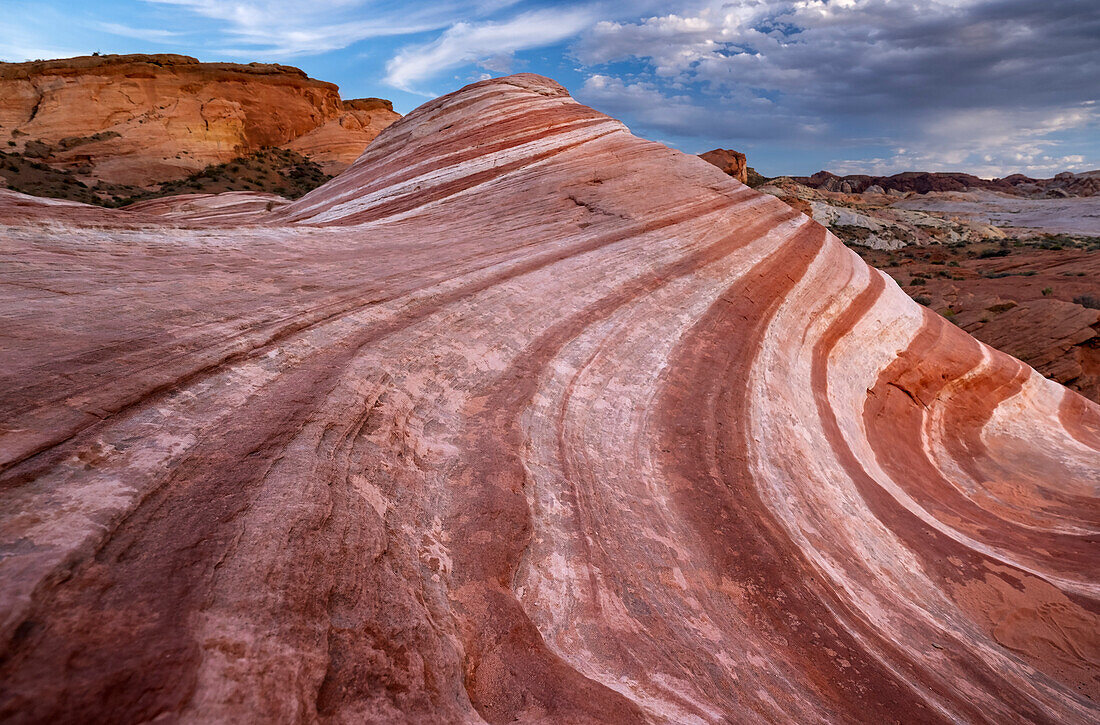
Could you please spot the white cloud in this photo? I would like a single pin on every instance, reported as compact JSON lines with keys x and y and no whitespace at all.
{"x":467,"y":43}
{"x":641,"y":101}
{"x":734,"y":119}
{"x":286,"y":28}
{"x":150,"y":34}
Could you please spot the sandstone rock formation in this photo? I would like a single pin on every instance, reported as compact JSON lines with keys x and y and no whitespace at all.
{"x":339,"y":142}
{"x":879,"y":221}
{"x":1039,"y":305}
{"x":731,"y":162}
{"x":137,"y":119}
{"x":493,"y":427}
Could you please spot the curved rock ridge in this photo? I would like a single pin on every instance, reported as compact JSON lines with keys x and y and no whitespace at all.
{"x":521,"y":418}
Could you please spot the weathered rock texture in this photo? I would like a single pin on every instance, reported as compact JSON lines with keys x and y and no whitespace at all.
{"x":1039,"y":305}
{"x":492,"y":426}
{"x":732,"y":163}
{"x":337,"y":143}
{"x":137,"y":119}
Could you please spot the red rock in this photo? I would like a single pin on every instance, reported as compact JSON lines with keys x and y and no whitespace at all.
{"x":137,"y":119}
{"x":492,"y":426}
{"x":339,"y":142}
{"x":730,"y":162}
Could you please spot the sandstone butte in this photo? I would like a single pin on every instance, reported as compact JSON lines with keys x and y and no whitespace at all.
{"x":136,"y":119}
{"x":494,"y":427}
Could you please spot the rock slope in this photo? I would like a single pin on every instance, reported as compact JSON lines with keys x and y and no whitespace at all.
{"x":1039,"y":305}
{"x":138,"y":119}
{"x":491,"y":427}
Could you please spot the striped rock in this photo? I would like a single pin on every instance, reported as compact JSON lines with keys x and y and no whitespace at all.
{"x":521,"y":418}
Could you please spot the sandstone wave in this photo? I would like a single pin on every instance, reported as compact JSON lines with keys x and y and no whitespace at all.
{"x":521,"y":418}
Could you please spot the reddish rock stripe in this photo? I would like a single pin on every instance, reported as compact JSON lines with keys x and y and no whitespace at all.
{"x":511,"y":114}
{"x":968,"y":410}
{"x":367,"y":177}
{"x":901,"y":396}
{"x":214,"y":462}
{"x":442,"y":191}
{"x":942,"y":556}
{"x":894,"y":415}
{"x":897,"y":519}
{"x":701,"y":411}
{"x":501,"y":677}
{"x":62,"y":430}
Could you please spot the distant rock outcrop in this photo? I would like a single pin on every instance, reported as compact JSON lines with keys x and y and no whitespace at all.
{"x":730,"y":162}
{"x":922,"y":182}
{"x":140,"y":119}
{"x":337,"y":143}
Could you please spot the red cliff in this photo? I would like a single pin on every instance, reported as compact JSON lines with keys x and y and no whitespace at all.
{"x":136,"y":119}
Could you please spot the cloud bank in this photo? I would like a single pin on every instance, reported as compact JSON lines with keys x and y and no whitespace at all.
{"x":981,"y":85}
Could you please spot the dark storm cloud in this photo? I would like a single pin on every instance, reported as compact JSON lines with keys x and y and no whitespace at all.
{"x":992,"y":79}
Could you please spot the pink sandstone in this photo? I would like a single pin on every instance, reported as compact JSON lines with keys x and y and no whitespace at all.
{"x":492,"y":427}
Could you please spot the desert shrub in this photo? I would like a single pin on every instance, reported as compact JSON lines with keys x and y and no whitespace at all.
{"x":1048,"y":291}
{"x":990,"y":253}
{"x":917,"y":281}
{"x":922,"y":300}
{"x":1090,"y":301}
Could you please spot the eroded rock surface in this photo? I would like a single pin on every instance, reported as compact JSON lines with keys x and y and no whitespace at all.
{"x":491,"y":427}
{"x":733,"y":163}
{"x":139,"y":119}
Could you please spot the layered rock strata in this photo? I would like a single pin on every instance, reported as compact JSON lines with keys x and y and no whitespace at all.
{"x":493,"y":427}
{"x":139,"y":119}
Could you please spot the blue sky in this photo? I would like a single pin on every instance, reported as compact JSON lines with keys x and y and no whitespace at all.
{"x":854,"y":86}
